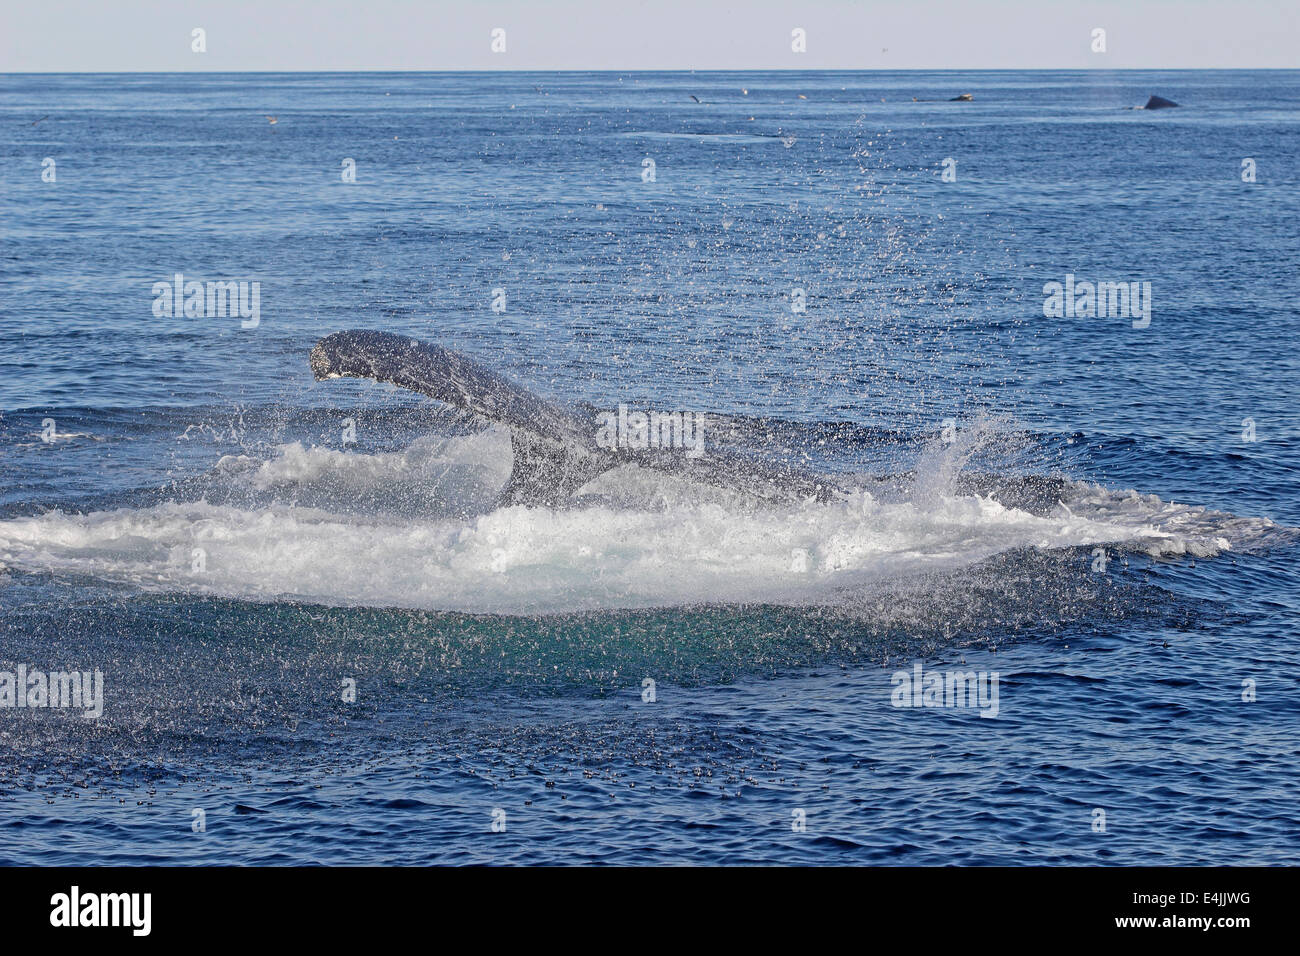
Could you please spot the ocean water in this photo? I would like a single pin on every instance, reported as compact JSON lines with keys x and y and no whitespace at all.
{"x":1103,"y":515}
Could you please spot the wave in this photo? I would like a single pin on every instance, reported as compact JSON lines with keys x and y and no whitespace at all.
{"x":722,"y":138}
{"x":417,"y":528}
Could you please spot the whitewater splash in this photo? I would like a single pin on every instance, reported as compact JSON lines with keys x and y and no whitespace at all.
{"x":389,"y":529}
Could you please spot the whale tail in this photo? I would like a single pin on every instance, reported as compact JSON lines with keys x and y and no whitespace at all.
{"x":555,"y":450}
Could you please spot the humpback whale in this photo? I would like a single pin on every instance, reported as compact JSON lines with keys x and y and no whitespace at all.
{"x":1158,"y":103}
{"x":555,"y":448}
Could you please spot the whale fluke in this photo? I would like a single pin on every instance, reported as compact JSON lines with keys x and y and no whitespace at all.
{"x":555,"y":449}
{"x":1159,"y":103}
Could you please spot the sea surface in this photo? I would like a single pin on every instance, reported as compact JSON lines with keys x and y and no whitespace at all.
{"x":322,"y":640}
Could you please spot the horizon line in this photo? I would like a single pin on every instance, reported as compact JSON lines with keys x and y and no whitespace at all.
{"x":685,"y":70}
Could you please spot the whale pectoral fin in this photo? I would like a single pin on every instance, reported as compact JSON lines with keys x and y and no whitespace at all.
{"x":555,"y":448}
{"x":548,"y":472}
{"x":450,"y":377}
{"x":552,"y":454}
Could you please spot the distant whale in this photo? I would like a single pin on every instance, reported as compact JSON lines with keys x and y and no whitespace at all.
{"x":1158,"y":103}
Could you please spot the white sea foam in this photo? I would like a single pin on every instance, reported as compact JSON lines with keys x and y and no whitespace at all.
{"x":633,"y":541}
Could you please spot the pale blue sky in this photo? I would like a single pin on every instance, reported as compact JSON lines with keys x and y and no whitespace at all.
{"x":149,"y":35}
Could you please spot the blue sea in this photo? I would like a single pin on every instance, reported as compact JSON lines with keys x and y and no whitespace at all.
{"x":321,"y":638}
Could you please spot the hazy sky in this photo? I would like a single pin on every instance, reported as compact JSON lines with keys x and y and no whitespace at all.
{"x":145,"y":35}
